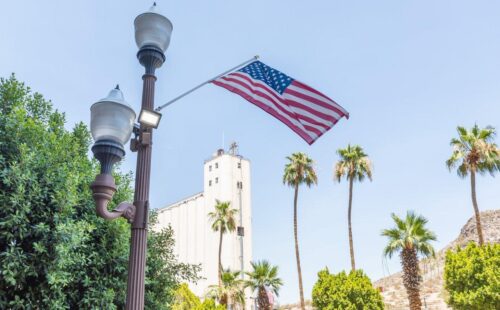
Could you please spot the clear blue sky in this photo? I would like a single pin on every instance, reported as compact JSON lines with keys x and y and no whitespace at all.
{"x":408,"y":73}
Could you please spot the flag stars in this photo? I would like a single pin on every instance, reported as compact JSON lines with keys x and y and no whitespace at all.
{"x":269,"y":76}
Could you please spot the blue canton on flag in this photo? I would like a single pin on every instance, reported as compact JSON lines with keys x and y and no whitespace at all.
{"x":272,"y":77}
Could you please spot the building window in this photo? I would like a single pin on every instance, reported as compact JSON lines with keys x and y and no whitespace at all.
{"x":239,"y":165}
{"x":216,"y":165}
{"x":210,"y":168}
{"x":216,"y":180}
{"x":241,"y":231}
{"x":210,"y":183}
{"x":239,"y":185}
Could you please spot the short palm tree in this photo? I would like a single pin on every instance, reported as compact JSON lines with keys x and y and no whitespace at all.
{"x":473,"y":152}
{"x":299,"y":170}
{"x":410,"y":238}
{"x":231,"y":292}
{"x":264,"y":276}
{"x":223,"y":220}
{"x":354,"y":165}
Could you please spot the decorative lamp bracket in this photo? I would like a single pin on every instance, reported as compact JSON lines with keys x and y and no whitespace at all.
{"x":103,"y":189}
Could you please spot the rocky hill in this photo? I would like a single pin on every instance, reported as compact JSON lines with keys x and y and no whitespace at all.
{"x":432,"y":291}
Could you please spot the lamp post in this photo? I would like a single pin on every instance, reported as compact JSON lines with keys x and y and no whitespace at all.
{"x":112,"y":123}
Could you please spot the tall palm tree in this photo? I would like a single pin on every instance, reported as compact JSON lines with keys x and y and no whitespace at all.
{"x":473,"y":152}
{"x":231,"y":292}
{"x":223,"y":220}
{"x":355,"y":166}
{"x":299,"y":170}
{"x":410,"y":238}
{"x":264,"y":276}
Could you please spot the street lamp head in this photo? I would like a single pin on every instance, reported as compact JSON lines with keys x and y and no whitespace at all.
{"x":149,"y":118}
{"x":152,"y":29}
{"x":111,"y":124}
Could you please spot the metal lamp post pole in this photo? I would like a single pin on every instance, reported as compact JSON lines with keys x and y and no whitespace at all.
{"x":151,"y":58}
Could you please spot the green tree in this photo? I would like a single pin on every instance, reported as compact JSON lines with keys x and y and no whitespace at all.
{"x":410,"y":238}
{"x":164,"y":273}
{"x":472,"y":277}
{"x":231,"y":292}
{"x":474,"y":152}
{"x":55,"y":253}
{"x":299,"y":170}
{"x":264,"y":276}
{"x":223,"y":220}
{"x":185,"y":299}
{"x":353,"y":291}
{"x":355,"y":166}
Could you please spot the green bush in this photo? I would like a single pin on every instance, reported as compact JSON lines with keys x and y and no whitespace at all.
{"x":353,"y":291}
{"x":55,"y":252}
{"x":472,"y":277}
{"x":185,"y":299}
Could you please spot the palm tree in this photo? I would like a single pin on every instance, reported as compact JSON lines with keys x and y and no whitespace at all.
{"x":223,"y":220}
{"x":299,"y":170}
{"x":474,"y":151}
{"x":264,"y":276}
{"x":231,"y":292}
{"x":410,"y":238}
{"x":355,"y":166}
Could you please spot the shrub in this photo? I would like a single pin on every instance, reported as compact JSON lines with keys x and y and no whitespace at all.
{"x":472,"y":277}
{"x":185,"y":299}
{"x":55,"y":252}
{"x":351,"y":291}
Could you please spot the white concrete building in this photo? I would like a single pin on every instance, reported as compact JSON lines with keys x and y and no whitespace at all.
{"x":226,"y":178}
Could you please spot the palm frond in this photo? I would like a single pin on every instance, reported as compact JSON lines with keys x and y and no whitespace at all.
{"x":353,"y":163}
{"x":409,"y":233}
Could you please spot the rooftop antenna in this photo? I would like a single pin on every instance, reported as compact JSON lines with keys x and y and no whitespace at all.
{"x":233,"y":148}
{"x":223,"y":140}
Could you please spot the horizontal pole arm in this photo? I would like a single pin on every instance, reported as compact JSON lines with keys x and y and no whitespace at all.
{"x":204,"y":83}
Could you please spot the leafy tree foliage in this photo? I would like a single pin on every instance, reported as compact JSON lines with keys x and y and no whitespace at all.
{"x":475,"y":152}
{"x":187,"y":300}
{"x":262,"y":278}
{"x":410,"y":238}
{"x":55,"y":253}
{"x":353,"y":291}
{"x":472,"y":277}
{"x":163,"y":272}
{"x":231,"y":292}
{"x":223,"y":220}
{"x":354,"y":165}
{"x":299,"y":170}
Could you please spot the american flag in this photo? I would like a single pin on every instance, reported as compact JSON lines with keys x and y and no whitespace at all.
{"x":305,"y":110}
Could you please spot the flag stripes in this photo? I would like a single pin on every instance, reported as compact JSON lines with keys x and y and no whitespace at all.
{"x":306,"y":111}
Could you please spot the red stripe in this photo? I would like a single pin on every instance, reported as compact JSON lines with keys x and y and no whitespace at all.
{"x":309,"y":109}
{"x":312,"y":90}
{"x":279,"y":104}
{"x":269,"y":110}
{"x":304,"y":86}
{"x":315,"y":101}
{"x":326,"y":117}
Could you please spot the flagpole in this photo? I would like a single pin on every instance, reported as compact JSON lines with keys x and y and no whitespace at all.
{"x":206,"y":82}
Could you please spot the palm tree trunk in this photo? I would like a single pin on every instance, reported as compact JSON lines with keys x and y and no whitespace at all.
{"x":297,"y":256}
{"x":411,"y":277}
{"x":263,"y":300}
{"x":220,"y":259}
{"x":351,"y":243}
{"x":476,"y":208}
